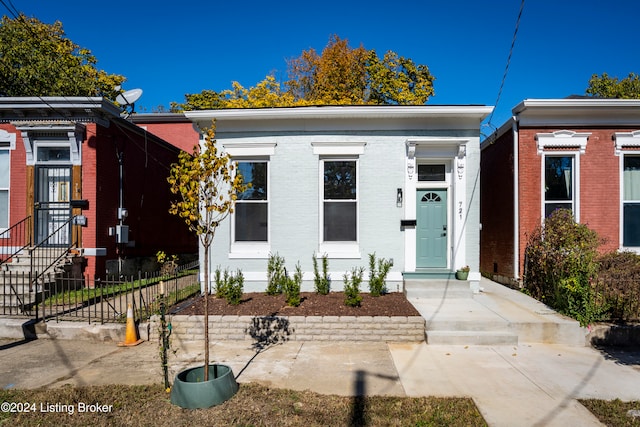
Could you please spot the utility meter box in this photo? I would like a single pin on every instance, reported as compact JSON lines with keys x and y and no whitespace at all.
{"x":122,"y":234}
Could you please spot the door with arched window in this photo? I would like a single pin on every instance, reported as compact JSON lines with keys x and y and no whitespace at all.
{"x":431,"y":228}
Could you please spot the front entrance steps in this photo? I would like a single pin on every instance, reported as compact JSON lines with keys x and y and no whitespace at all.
{"x":17,"y":292}
{"x":496,"y":316}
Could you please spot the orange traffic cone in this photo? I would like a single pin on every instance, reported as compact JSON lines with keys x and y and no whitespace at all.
{"x":131,"y":336}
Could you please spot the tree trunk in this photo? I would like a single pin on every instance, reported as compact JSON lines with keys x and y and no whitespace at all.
{"x":206,"y":313}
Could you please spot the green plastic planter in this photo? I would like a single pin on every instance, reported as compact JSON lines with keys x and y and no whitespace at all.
{"x":462,"y":275}
{"x":191,"y":392}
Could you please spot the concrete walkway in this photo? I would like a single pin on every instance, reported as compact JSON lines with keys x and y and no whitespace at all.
{"x":527,"y":384}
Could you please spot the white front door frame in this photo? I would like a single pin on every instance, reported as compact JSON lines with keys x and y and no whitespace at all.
{"x":451,"y":152}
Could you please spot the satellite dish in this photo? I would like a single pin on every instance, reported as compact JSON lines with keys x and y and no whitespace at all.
{"x":129,"y":97}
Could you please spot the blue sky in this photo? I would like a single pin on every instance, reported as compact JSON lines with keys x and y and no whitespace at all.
{"x":170,"y":48}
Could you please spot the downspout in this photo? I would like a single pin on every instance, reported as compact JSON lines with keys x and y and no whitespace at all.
{"x":516,"y":201}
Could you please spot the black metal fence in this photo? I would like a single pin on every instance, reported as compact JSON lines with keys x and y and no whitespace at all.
{"x":62,"y":297}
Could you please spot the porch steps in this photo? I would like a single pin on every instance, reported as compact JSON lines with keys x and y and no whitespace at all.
{"x":14,"y":278}
{"x":437,"y":288}
{"x":496,"y":316}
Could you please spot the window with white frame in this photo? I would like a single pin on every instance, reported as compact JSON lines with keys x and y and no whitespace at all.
{"x":560,"y":152}
{"x":339,"y":200}
{"x":631,"y":200}
{"x":559,"y":183}
{"x":4,"y":187}
{"x":251,"y":216}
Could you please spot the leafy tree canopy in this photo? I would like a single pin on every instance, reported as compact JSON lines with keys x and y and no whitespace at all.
{"x":36,"y":59}
{"x":339,"y":75}
{"x":611,"y":87}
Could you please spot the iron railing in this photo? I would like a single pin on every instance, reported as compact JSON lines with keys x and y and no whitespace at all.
{"x":50,"y":251}
{"x":15,"y":239}
{"x":93,"y":300}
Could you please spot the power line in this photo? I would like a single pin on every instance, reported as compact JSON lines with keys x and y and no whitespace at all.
{"x":506,"y":68}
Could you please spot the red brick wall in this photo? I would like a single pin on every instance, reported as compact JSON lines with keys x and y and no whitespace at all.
{"x":181,"y":135}
{"x":146,"y":195}
{"x":146,"y":191}
{"x":496,"y":207}
{"x":18,"y":179}
{"x":599,"y":185}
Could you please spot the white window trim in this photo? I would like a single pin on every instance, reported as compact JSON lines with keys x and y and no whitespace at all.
{"x":253,"y":250}
{"x":7,"y":139}
{"x":626,"y":140}
{"x":338,"y":149}
{"x":562,"y":143}
{"x":7,"y":143}
{"x":625,"y":143}
{"x":336,"y":249}
{"x":562,"y":139}
{"x":249,"y":149}
{"x":635,"y":249}
{"x":575,"y":183}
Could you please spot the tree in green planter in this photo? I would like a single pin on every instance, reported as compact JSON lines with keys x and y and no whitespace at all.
{"x":207,"y":185}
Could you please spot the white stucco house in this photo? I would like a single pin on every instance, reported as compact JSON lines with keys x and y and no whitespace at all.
{"x":346,"y":181}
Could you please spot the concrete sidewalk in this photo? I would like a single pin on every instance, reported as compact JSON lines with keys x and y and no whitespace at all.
{"x":529,"y":383}
{"x":525,"y":385}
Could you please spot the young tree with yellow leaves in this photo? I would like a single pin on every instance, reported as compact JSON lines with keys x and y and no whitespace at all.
{"x":207,"y":184}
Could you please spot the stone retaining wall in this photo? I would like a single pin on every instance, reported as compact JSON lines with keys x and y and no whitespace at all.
{"x":271,"y":329}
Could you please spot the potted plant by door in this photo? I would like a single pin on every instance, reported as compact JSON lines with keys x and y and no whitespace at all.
{"x":462,"y":273}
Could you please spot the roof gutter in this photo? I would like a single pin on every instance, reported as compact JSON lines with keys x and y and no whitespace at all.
{"x":516,"y":199}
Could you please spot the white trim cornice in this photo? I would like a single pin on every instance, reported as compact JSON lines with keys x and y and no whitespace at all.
{"x":7,"y":138}
{"x":578,"y":112}
{"x":626,"y":140}
{"x":562,"y":139}
{"x":239,"y":149}
{"x":338,"y":148}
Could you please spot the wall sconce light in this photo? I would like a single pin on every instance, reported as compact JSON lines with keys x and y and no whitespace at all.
{"x":399,"y":198}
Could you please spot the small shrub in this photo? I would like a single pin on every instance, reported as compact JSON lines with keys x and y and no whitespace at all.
{"x":168,"y":264}
{"x":235,"y":288}
{"x":378,"y":270}
{"x":560,"y":267}
{"x":276,"y":275}
{"x":221,"y":281}
{"x":292,"y":287}
{"x":322,"y":283}
{"x":229,"y":286}
{"x":352,"y":287}
{"x":619,"y":281}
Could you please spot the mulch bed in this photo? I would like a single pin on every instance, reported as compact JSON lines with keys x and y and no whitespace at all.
{"x":261,"y":304}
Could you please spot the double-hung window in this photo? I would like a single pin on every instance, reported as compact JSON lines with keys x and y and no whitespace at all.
{"x":7,"y":143}
{"x":251,"y":218}
{"x":340,"y":200}
{"x":561,"y":151}
{"x":559,"y":183}
{"x":631,"y":200}
{"x":4,"y":188}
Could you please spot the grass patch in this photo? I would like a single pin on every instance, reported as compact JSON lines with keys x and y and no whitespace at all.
{"x":613,"y":412}
{"x":253,"y":405}
{"x":108,"y":290}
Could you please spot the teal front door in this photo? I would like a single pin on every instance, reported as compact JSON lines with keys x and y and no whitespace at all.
{"x":431,"y":229}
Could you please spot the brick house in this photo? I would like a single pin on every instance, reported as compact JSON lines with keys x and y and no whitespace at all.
{"x":582,"y":154}
{"x":63,"y":157}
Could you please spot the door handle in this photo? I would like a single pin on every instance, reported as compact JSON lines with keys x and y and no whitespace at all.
{"x":444,"y":227}
{"x":443,"y":234}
